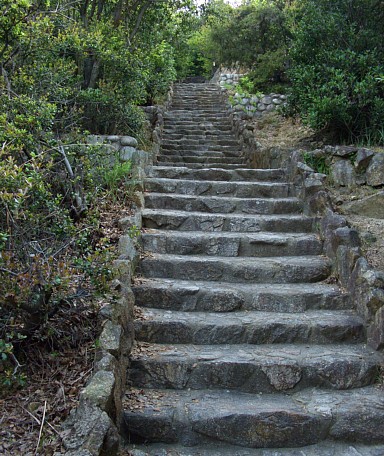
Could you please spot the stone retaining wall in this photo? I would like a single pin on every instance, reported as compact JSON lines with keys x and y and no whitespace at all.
{"x":93,"y":427}
{"x":253,"y":106}
{"x":342,"y":245}
{"x":246,"y":107}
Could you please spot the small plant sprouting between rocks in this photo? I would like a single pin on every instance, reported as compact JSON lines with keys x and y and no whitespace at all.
{"x":134,"y":232}
{"x":318,"y":164}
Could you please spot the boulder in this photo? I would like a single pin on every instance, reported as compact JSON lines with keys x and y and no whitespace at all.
{"x":375,"y":171}
{"x":127,"y":153}
{"x":266,"y":100}
{"x":370,"y":206}
{"x":343,"y":173}
{"x":363,"y":159}
{"x":376,"y":331}
{"x":344,"y":151}
{"x":128,"y":141}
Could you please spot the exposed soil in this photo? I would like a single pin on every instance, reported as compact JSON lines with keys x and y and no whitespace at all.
{"x":273,"y":130}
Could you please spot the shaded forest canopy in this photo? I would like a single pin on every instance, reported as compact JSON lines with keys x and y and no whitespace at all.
{"x":70,"y":68}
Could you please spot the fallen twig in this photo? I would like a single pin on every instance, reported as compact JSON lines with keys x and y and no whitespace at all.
{"x":39,"y":422}
{"x":41,"y":427}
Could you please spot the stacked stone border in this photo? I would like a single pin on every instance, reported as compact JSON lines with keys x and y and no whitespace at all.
{"x":93,"y":427}
{"x":342,"y":244}
{"x":246,"y":106}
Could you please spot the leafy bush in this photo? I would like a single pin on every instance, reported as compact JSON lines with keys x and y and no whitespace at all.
{"x":337,"y":58}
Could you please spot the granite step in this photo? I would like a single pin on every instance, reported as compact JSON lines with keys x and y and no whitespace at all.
{"x":208,"y":129}
{"x":207,"y":328}
{"x":249,"y":223}
{"x":218,"y":188}
{"x":255,"y":369}
{"x":207,"y":160}
{"x":220,"y":205}
{"x":206,"y":147}
{"x":293,"y":269}
{"x":177,"y":162}
{"x":218,"y":174}
{"x":203,"y":296}
{"x":179,"y":152}
{"x":201,"y":136}
{"x":220,"y":141}
{"x":198,"y":121}
{"x":326,"y":448}
{"x":210,"y":420}
{"x":231,"y":244}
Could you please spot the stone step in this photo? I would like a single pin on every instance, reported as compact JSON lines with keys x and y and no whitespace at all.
{"x":196,"y":116}
{"x":200,"y":296}
{"x":220,"y":204}
{"x":209,"y":106}
{"x":198,"y":120}
{"x":253,"y":368}
{"x":206,"y":328}
{"x":217,"y":174}
{"x":200,"y":221}
{"x":193,"y":144}
{"x":218,"y":188}
{"x":327,"y":448}
{"x":296,"y":269}
{"x":214,"y":418}
{"x":197,"y":130}
{"x":199,"y":107}
{"x":179,"y":152}
{"x":202,"y":151}
{"x":200,"y":137}
{"x":194,"y":166}
{"x":226,"y":141}
{"x":206,"y":159}
{"x":231,"y":244}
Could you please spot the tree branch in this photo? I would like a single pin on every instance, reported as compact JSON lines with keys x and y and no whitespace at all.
{"x":139,"y":19}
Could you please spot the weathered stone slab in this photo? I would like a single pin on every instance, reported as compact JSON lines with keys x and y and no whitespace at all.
{"x":250,"y":369}
{"x":200,"y":328}
{"x":212,"y":418}
{"x":226,"y":297}
{"x":375,"y":171}
{"x":223,"y":205}
{"x":197,"y":221}
{"x":370,"y":206}
{"x":214,"y":188}
{"x":242,"y":270}
{"x":231,"y":244}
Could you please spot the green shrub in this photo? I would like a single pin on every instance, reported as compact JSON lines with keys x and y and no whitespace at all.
{"x":336,"y":61}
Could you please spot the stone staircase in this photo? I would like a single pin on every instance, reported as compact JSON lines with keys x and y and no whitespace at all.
{"x":243,"y":347}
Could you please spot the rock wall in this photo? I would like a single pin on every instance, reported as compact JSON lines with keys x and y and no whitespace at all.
{"x":342,"y":244}
{"x":93,"y":427}
{"x":246,"y":107}
{"x":253,"y":106}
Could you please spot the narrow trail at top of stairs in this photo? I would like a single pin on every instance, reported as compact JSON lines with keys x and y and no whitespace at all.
{"x":243,"y":348}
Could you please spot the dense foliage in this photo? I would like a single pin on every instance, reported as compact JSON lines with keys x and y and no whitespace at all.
{"x":68,"y":68}
{"x":337,"y":67}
